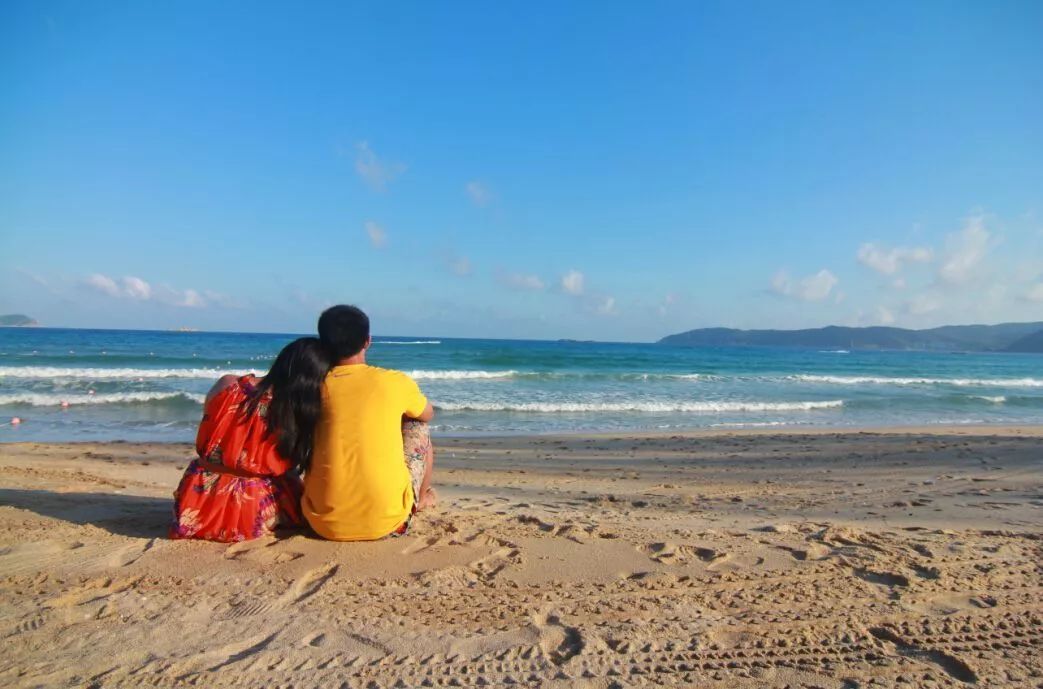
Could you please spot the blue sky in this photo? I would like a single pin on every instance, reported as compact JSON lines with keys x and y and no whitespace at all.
{"x":589,"y":170}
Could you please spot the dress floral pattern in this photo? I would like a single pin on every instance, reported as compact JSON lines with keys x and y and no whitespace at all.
{"x":239,"y":487}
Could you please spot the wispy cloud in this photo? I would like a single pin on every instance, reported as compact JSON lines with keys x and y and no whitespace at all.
{"x":669,"y":300}
{"x":815,"y":287}
{"x":606,"y":306}
{"x":884,"y":315}
{"x":125,"y":288}
{"x":921,"y":305}
{"x":572,"y":283}
{"x":890,"y":261}
{"x":964,"y":252}
{"x":137,"y":289}
{"x":1035,"y":292}
{"x":460,"y":265}
{"x":521,"y":281}
{"x":375,"y":172}
{"x":377,"y":235}
{"x":479,"y":193}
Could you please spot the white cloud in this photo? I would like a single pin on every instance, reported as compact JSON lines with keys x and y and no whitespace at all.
{"x":522,"y":281}
{"x":136,"y":289}
{"x":814,"y":287}
{"x":125,"y":288}
{"x":192,"y":299}
{"x":480,"y":194}
{"x":572,"y":282}
{"x":373,"y":171}
{"x":889,"y":261}
{"x":884,"y":315}
{"x":607,"y":306}
{"x":964,"y":251}
{"x":377,"y":235}
{"x":103,"y":284}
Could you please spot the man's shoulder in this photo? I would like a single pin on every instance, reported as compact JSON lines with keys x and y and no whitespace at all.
{"x":390,"y":374}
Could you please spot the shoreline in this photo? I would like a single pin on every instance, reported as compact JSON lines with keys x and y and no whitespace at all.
{"x":1032,"y":430}
{"x":729,"y":558}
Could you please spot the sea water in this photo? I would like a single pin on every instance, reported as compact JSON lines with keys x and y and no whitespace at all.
{"x":149,"y":385}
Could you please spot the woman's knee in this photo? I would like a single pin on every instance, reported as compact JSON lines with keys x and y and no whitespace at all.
{"x":416,"y":438}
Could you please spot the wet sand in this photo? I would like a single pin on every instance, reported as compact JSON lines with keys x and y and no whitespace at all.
{"x":757,"y":559}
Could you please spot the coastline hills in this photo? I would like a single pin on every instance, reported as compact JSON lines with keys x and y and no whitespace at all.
{"x":1004,"y":337}
{"x":16,"y":320}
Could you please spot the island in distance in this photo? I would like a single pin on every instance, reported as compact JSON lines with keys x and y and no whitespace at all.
{"x":1004,"y":337}
{"x":17,"y":320}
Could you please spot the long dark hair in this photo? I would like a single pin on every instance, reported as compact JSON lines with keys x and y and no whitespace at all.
{"x":295,"y":381}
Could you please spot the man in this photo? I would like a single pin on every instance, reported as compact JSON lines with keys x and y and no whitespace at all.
{"x":372,"y":462}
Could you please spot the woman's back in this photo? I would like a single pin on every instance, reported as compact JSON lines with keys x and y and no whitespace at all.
{"x":239,"y":487}
{"x":234,"y":432}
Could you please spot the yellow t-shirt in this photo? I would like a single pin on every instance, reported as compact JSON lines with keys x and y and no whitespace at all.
{"x":358,"y":487}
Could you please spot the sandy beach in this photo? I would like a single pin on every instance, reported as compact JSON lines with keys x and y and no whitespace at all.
{"x":908,"y":557}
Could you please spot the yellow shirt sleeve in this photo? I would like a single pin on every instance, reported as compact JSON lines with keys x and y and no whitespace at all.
{"x":414,"y":402}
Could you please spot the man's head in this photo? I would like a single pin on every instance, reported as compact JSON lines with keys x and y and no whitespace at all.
{"x":344,"y":330}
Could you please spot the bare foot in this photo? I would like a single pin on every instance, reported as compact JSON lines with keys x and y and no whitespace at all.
{"x":428,"y":499}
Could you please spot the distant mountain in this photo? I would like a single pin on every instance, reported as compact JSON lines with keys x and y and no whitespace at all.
{"x":16,"y":319}
{"x":1029,"y":343}
{"x":1020,"y":337}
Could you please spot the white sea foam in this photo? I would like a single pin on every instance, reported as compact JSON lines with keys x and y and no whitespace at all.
{"x":409,"y":342}
{"x":751,"y":424}
{"x":652,"y":407}
{"x":460,"y":375}
{"x":52,"y":400}
{"x":995,"y":399}
{"x":40,"y":372}
{"x":960,"y":382}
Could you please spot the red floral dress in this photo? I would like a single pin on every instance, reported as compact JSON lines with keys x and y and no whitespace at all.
{"x":240,"y":487}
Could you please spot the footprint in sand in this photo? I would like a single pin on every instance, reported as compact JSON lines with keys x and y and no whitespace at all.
{"x":262,"y":551}
{"x":673,"y":553}
{"x":302,"y":588}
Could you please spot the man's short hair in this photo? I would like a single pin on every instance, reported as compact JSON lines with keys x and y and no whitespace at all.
{"x":343,"y":330}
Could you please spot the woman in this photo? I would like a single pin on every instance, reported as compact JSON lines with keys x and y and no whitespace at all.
{"x":254,"y":435}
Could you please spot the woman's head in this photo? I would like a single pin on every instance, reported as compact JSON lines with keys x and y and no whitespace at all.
{"x":295,"y":382}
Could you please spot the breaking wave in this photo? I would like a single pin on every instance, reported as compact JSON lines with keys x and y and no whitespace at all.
{"x":52,"y":400}
{"x":961,"y":382}
{"x":649,"y":407}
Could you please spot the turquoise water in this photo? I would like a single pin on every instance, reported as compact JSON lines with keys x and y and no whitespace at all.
{"x":147,"y":385}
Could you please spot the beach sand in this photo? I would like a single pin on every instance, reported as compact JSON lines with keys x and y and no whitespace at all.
{"x":757,"y":559}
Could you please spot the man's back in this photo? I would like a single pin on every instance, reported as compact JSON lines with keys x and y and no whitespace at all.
{"x":358,"y":487}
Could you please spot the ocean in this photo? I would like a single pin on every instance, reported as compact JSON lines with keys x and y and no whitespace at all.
{"x":149,"y":385}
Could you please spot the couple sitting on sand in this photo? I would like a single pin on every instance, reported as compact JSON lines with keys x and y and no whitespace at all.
{"x":357,"y":433}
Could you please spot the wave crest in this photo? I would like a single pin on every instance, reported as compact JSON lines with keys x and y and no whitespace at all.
{"x":52,"y":400}
{"x":959,"y":382}
{"x":650,"y":407}
{"x":40,"y":372}
{"x":460,"y":375}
